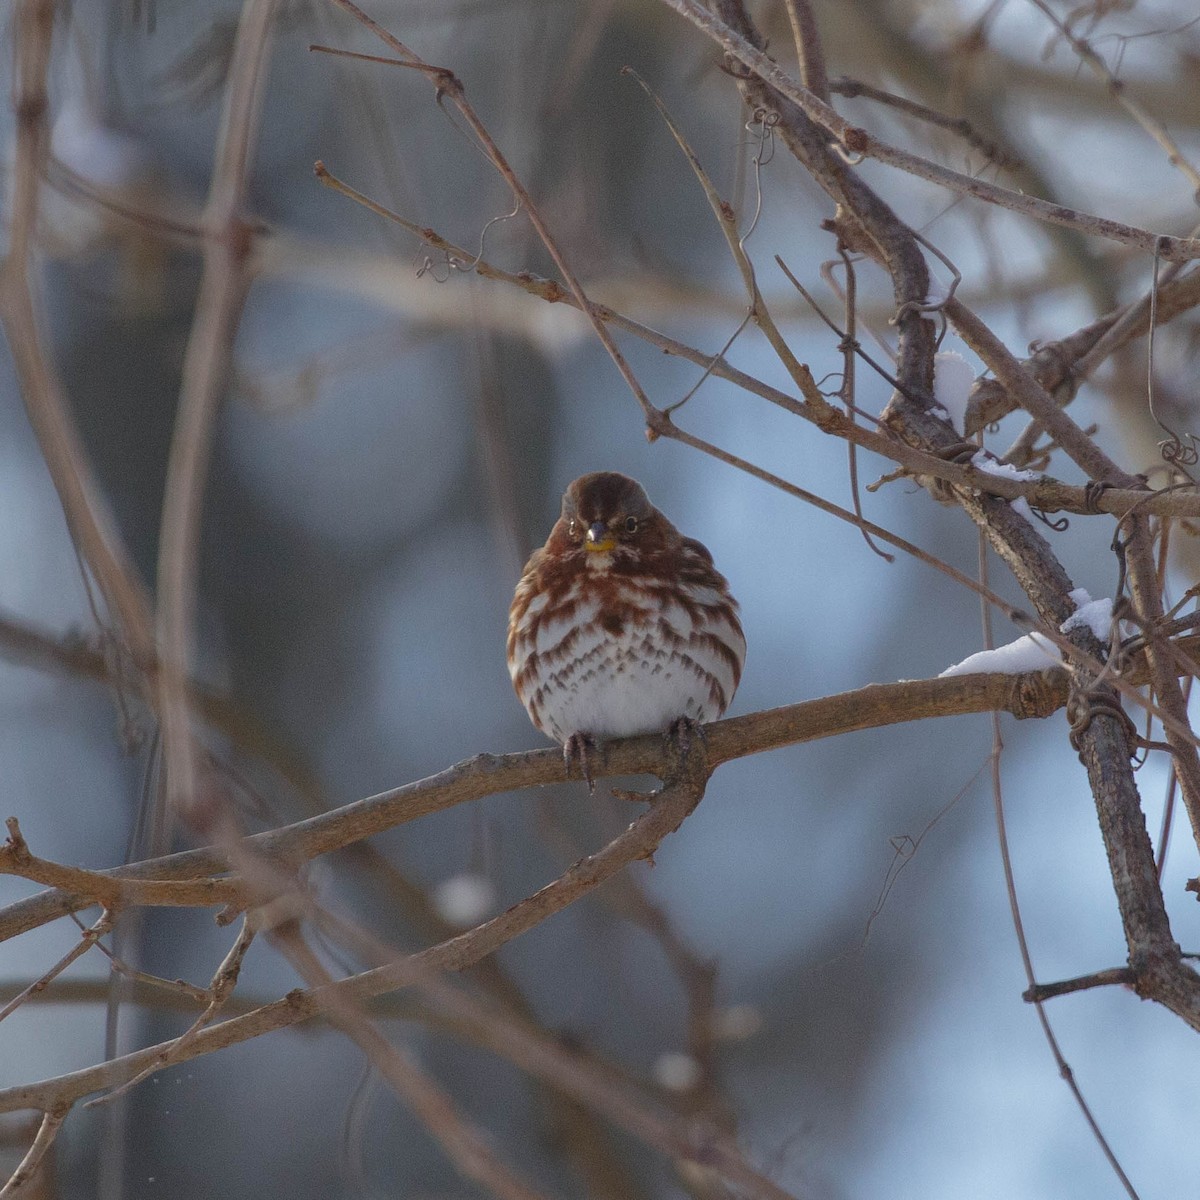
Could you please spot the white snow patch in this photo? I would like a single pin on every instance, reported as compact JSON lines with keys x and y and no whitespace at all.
{"x":1021,"y":507}
{"x":1095,"y":614}
{"x":983,"y":461}
{"x":1033,"y":652}
{"x":953,"y":378}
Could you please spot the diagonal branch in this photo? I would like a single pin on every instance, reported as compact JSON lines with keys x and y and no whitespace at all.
{"x":1101,"y":732}
{"x":858,"y":141}
{"x":991,"y":399}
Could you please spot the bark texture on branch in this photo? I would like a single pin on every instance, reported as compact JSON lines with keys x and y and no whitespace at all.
{"x":1101,"y":731}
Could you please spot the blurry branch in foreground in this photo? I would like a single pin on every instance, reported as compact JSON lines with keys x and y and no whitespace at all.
{"x":260,"y":877}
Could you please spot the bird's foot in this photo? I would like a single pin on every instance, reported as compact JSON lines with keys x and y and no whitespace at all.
{"x":686,"y":746}
{"x":579,"y":753}
{"x":682,"y":735}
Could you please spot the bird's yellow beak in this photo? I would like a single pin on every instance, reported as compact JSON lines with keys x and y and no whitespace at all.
{"x":599,"y":538}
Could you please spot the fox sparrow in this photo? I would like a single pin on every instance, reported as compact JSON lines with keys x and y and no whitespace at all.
{"x":620,"y":625}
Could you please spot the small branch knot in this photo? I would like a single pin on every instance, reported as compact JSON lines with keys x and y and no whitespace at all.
{"x":856,"y":140}
{"x":1035,"y":695}
{"x":16,"y":847}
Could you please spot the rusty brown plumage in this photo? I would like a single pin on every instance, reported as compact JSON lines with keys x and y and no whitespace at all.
{"x":620,"y":624}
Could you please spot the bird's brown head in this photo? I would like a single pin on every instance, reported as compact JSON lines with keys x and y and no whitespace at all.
{"x":607,"y":511}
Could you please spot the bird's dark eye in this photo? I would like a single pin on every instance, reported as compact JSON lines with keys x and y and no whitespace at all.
{"x":631,"y":524}
{"x":573,"y":528}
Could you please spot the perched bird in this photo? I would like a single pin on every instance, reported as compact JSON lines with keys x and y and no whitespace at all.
{"x":620,"y":624}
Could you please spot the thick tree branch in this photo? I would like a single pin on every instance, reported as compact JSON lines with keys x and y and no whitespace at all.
{"x":638,"y":841}
{"x":1100,"y":730}
{"x":875,"y":706}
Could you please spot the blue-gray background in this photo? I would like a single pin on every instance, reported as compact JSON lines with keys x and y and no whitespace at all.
{"x":395,"y":440}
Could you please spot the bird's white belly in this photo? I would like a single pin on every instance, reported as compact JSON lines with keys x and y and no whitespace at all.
{"x":621,"y":686}
{"x":633,"y":665}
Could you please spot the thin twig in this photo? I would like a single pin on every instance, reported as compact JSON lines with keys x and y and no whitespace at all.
{"x":88,"y":517}
{"x":1037,"y":993}
{"x":90,"y":937}
{"x":727,"y":221}
{"x":223,"y":288}
{"x":1120,"y":93}
{"x":52,"y":1121}
{"x":1049,"y":495}
{"x":851,"y":88}
{"x":151,"y":984}
{"x":858,"y":141}
{"x":849,"y":347}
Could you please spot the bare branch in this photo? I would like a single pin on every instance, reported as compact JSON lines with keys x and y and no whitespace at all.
{"x":88,"y":518}
{"x":857,"y":141}
{"x":872,"y":707}
{"x":1047,"y":494}
{"x":1036,"y":993}
{"x":638,"y":841}
{"x":223,"y":287}
{"x":111,"y":893}
{"x":48,"y":1130}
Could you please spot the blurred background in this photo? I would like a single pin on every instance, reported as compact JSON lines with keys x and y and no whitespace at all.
{"x":395,"y":441}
